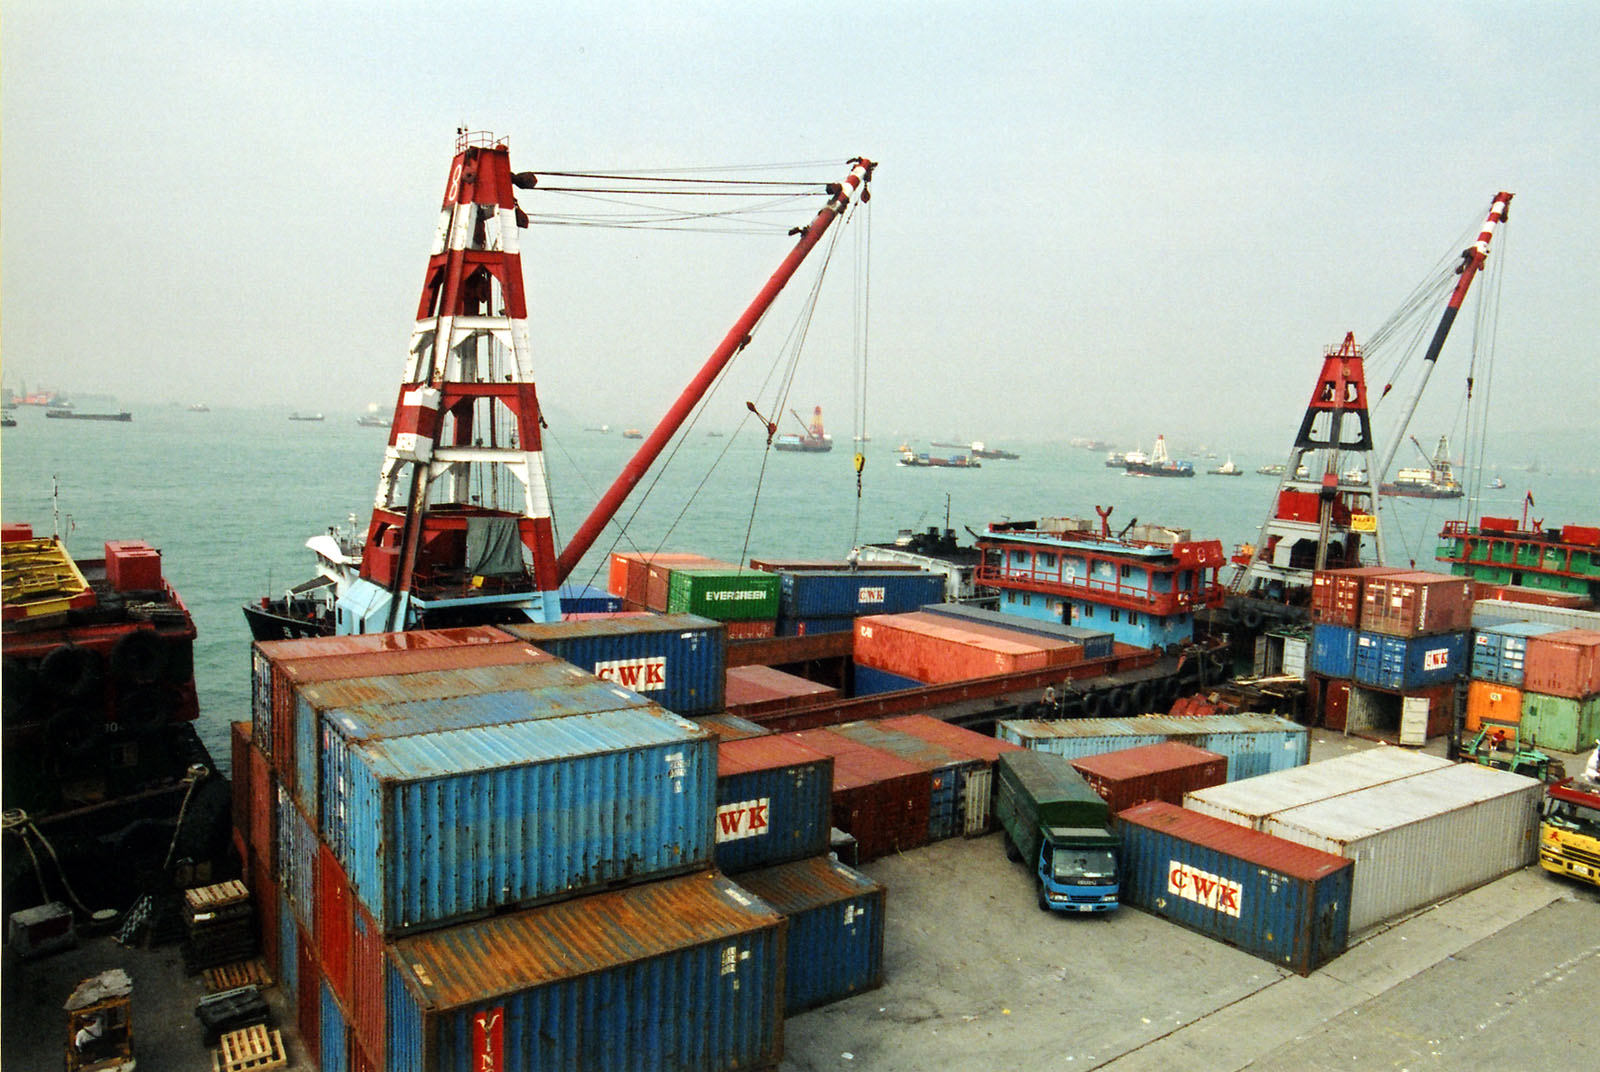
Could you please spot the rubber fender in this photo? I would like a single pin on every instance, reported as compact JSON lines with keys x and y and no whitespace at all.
{"x":178,"y":666}
{"x":1138,"y":697}
{"x":75,"y":733}
{"x":143,"y":708}
{"x":72,"y":669}
{"x":1094,"y":704}
{"x":140,"y":657}
{"x":1250,"y":618}
{"x":1118,"y":702}
{"x":1232,"y":613}
{"x":1169,"y":691}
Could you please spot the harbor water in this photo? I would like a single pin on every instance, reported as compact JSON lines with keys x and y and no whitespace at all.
{"x":231,"y":495}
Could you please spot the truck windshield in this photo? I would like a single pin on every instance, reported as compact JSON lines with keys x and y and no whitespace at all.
{"x":1084,"y":865}
{"x":1575,"y":817}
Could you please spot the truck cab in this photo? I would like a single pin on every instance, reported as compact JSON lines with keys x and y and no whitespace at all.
{"x":1569,"y":832}
{"x":1078,"y":870}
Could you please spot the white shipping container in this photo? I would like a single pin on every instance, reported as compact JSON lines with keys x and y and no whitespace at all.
{"x":1294,"y":656}
{"x":1487,"y":612}
{"x":1250,"y":801}
{"x":1420,"y":839}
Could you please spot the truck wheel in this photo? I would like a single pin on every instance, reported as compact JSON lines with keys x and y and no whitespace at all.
{"x":1044,"y":903}
{"x":1011,"y":851}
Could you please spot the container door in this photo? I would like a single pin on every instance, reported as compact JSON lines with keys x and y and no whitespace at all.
{"x":980,"y":791}
{"x":1414,"y":721}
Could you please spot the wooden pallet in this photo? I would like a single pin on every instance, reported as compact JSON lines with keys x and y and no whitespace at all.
{"x":251,"y":1049}
{"x":210,"y":898}
{"x":239,"y":973}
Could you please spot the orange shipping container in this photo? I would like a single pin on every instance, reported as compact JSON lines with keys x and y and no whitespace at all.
{"x":1060,"y":652}
{"x":1492,"y":702}
{"x":1563,"y":664}
{"x":939,"y":653}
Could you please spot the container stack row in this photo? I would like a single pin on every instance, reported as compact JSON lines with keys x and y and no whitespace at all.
{"x":1251,"y":744}
{"x":935,"y":645}
{"x":1387,"y":648}
{"x":456,"y":838}
{"x":1537,"y":682}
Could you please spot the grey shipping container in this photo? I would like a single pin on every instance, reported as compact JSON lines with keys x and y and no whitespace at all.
{"x":835,"y":937}
{"x":676,"y":660}
{"x":1281,"y":901}
{"x":1419,"y":839}
{"x":1251,"y":801}
{"x":1254,"y":744}
{"x":684,"y":974}
{"x":446,"y":825}
{"x":1487,"y":612}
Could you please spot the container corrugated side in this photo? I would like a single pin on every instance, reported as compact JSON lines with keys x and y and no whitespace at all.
{"x":878,"y":798}
{"x":1333,"y":650}
{"x":774,"y":802}
{"x":335,"y":1052}
{"x":933,"y":649}
{"x":1163,"y":771}
{"x":588,"y":599}
{"x":1395,"y":662}
{"x":1499,"y":652}
{"x":1096,"y":643}
{"x":725,"y":595}
{"x":263,"y":811}
{"x":948,"y":771}
{"x":572,"y":987}
{"x":847,"y":593}
{"x":1249,"y":802}
{"x":835,"y":934}
{"x":757,"y":690}
{"x":286,"y":970}
{"x":297,"y":856}
{"x":446,"y":825}
{"x":1489,"y":701}
{"x":1423,"y":838}
{"x":240,"y":775}
{"x":1500,"y":612}
{"x":1057,"y":650}
{"x":343,"y":728}
{"x":1280,"y":901}
{"x":1560,"y":722}
{"x":677,"y":660}
{"x":333,"y":922}
{"x":368,"y":975}
{"x":1254,"y":744}
{"x":953,"y":737}
{"x":1416,"y":604}
{"x":1564,"y":664}
{"x":870,"y":681}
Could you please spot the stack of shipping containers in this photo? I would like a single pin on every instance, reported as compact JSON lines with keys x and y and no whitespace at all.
{"x":434,"y":811}
{"x":1253,"y":744}
{"x":907,"y":650}
{"x":1561,"y":690}
{"x":1499,"y":657}
{"x":1387,"y":650}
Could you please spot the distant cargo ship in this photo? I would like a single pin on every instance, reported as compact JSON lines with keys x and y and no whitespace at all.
{"x":1158,"y":463}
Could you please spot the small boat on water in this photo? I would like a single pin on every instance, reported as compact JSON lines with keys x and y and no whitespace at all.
{"x":632,"y":433}
{"x":1497,"y":484}
{"x":1227,"y":468}
{"x":933,"y":461}
{"x":1157,"y":463}
{"x":813,"y":441}
{"x":1275,"y":469}
{"x":1436,"y":481}
{"x":67,"y":413}
{"x":199,"y":407}
{"x":372,"y":420}
{"x":980,"y":450}
{"x":297,"y":416}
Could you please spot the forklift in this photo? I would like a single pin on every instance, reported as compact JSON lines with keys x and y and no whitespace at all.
{"x":100,"y":1024}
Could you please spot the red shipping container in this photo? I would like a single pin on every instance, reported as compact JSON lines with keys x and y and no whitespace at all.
{"x":881,"y":800}
{"x":263,"y":806}
{"x":756,"y":690}
{"x":756,"y":629}
{"x":658,"y":575}
{"x":1540,"y":597}
{"x":367,"y":1009}
{"x":268,"y":919}
{"x":288,"y":675}
{"x":1058,"y":652}
{"x":962,"y":741}
{"x":1336,"y":595}
{"x":12,"y":531}
{"x":1331,"y":700}
{"x":1417,"y":604}
{"x":629,"y":572}
{"x":334,"y":922}
{"x":133,"y":567}
{"x":1563,"y":664}
{"x":939,"y":653}
{"x":239,"y":772}
{"x":1587,"y":535}
{"x":308,"y":994}
{"x":1163,"y":771}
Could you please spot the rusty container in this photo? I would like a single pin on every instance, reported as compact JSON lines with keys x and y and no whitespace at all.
{"x":881,"y":800}
{"x":367,"y":979}
{"x":333,"y":922}
{"x":774,"y":802}
{"x":1564,"y":664}
{"x":759,"y":690}
{"x":1336,"y":595}
{"x":730,"y":727}
{"x":932,"y":653}
{"x":239,"y":772}
{"x":1154,"y":772}
{"x":1416,"y":604}
{"x":263,"y":808}
{"x":948,"y":771}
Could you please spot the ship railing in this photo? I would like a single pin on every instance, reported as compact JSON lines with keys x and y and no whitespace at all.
{"x":479,"y":139}
{"x":1055,"y":582}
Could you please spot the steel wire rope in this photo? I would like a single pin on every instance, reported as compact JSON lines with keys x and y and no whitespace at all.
{"x":860,"y":324}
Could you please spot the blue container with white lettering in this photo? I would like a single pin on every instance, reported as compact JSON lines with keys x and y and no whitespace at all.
{"x":679,"y":661}
{"x":1333,"y":650}
{"x":587,"y":599}
{"x":1283,"y":902}
{"x":847,"y":593}
{"x":1394,"y":662}
{"x":774,"y":802}
{"x":1499,"y":651}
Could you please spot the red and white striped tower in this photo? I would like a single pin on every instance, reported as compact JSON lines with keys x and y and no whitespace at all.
{"x":460,"y":526}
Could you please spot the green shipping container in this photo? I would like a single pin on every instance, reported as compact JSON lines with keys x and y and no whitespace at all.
{"x":724,"y":595}
{"x":1561,"y":723}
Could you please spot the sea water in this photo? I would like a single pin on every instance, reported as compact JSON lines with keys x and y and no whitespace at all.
{"x":230,"y":496}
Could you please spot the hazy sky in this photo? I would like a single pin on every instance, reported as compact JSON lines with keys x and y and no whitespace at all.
{"x":1089,"y":219}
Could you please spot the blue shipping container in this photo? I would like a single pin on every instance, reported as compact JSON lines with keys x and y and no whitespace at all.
{"x":847,"y":593}
{"x":443,"y":826}
{"x":335,"y":1034}
{"x":685,"y":974}
{"x":813,"y":626}
{"x":835,"y":942}
{"x":1392,"y":662}
{"x":871,"y":681}
{"x":297,"y":854}
{"x":774,"y":802}
{"x":587,"y":599}
{"x":1499,"y":651}
{"x":676,"y":660}
{"x":287,"y":970}
{"x":342,"y":728}
{"x":1283,"y":902}
{"x":1254,"y":744}
{"x":1097,"y":643}
{"x":1333,"y":650}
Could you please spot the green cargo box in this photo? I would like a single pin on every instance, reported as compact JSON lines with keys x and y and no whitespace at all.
{"x":1561,"y":723}
{"x":724,"y":595}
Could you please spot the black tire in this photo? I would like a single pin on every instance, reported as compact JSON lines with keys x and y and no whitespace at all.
{"x":1170,"y":690}
{"x":1011,"y":851}
{"x":1094,"y":704}
{"x":1250,"y":618}
{"x":76,"y":734}
{"x":179,"y":664}
{"x":1118,"y":703}
{"x":71,"y":669}
{"x":143,"y":708}
{"x":1044,"y":902}
{"x":1139,"y":696}
{"x":139,"y":657}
